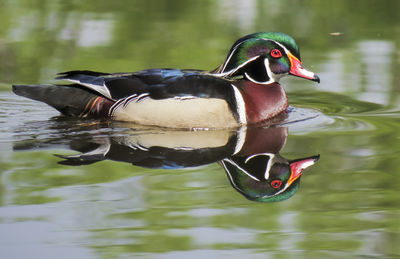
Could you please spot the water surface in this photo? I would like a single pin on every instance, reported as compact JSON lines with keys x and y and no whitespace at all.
{"x":347,"y":203}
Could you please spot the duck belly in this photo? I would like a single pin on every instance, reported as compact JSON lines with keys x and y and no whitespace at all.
{"x":176,"y":112}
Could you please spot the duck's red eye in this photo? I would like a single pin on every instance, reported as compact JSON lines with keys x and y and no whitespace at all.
{"x":276,"y":53}
{"x":276,"y":184}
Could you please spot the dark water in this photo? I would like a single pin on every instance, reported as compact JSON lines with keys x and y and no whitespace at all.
{"x":120,"y":206}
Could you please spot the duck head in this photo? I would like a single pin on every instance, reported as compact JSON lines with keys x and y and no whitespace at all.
{"x":264,"y":58}
{"x":266,"y":177}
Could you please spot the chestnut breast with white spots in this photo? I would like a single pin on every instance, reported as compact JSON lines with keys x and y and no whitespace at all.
{"x":262,"y":102}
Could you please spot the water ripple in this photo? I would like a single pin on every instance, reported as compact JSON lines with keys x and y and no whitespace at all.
{"x":335,"y":104}
{"x":23,"y":119}
{"x":339,"y":112}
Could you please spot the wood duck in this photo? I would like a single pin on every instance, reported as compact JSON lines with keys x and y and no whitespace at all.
{"x":244,"y":90}
{"x":249,"y":155}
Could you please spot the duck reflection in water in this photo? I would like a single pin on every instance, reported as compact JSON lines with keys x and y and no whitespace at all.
{"x":249,"y":156}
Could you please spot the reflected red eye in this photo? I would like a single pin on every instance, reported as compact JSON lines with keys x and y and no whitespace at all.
{"x":276,"y":53}
{"x":276,"y":184}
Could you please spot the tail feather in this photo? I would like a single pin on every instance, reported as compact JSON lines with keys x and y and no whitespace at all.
{"x":70,"y":100}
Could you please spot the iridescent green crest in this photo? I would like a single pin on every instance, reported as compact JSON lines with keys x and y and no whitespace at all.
{"x":260,"y":57}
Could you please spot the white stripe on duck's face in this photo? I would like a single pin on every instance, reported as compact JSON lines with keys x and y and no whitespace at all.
{"x":177,"y":113}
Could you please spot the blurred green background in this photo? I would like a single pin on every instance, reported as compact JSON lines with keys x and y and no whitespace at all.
{"x":348,"y":204}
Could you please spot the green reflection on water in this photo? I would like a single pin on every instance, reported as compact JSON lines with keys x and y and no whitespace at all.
{"x":347,"y":204}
